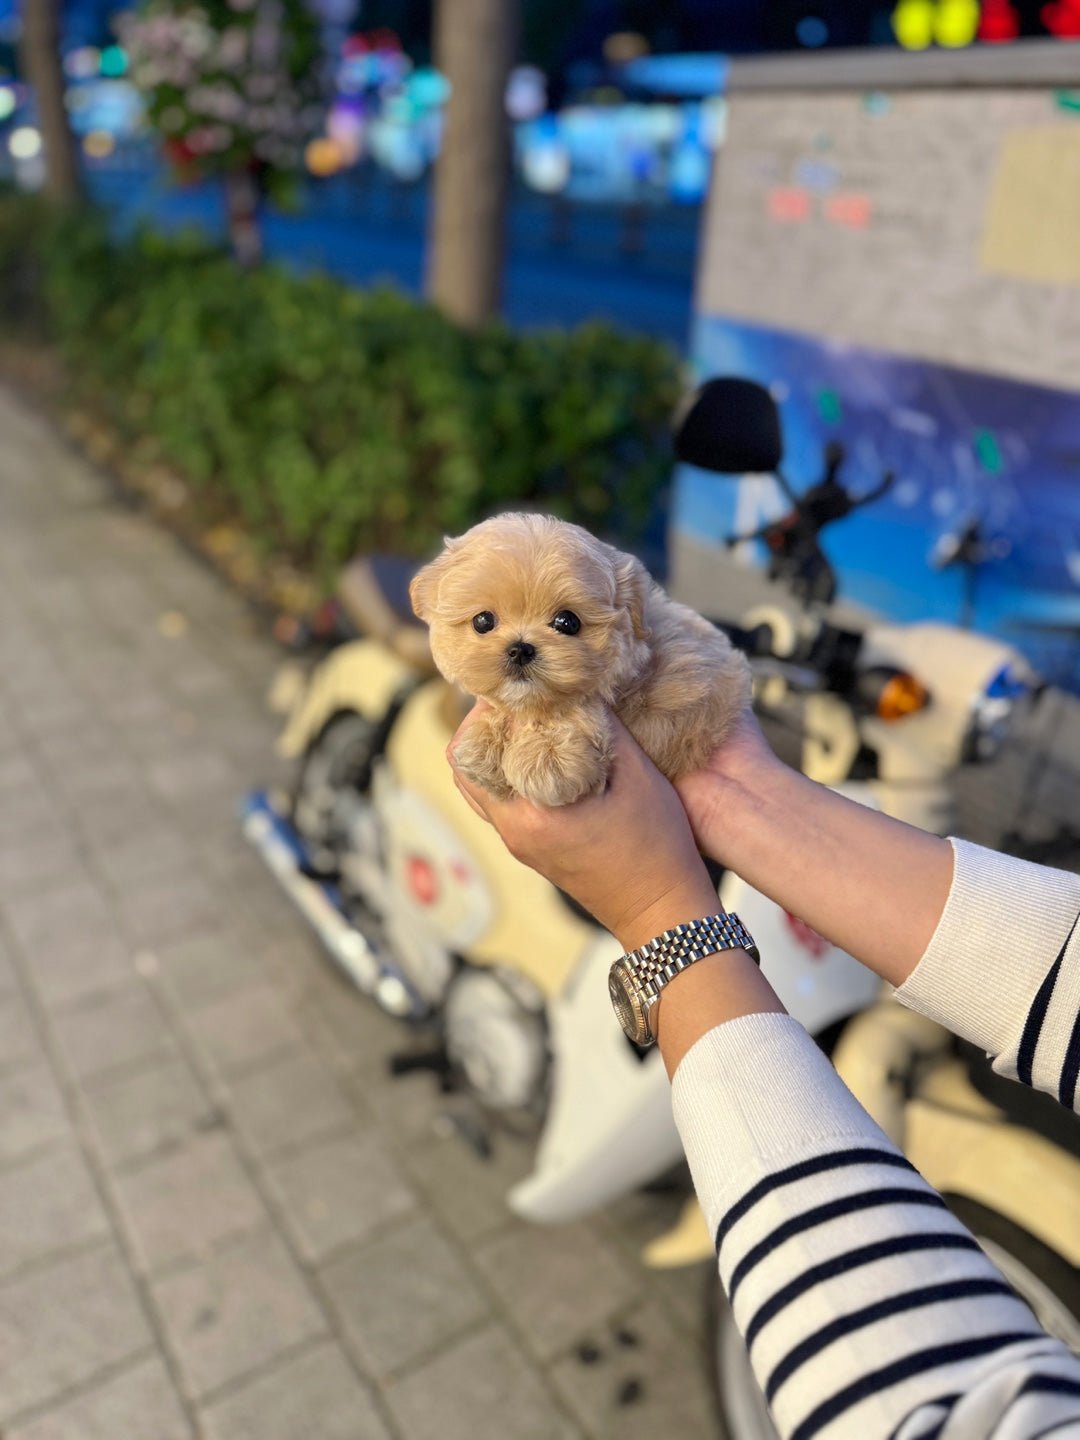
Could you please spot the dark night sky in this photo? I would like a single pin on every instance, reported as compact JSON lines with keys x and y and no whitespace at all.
{"x":556,"y":31}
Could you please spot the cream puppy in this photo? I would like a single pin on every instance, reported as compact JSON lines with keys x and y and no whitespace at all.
{"x":555,"y":630}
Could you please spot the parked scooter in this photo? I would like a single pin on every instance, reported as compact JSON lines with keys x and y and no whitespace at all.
{"x":422,"y":907}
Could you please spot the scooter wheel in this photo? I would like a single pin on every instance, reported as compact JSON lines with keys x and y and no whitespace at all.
{"x":741,"y":1408}
{"x":338,"y":760}
{"x":1042,"y":1277}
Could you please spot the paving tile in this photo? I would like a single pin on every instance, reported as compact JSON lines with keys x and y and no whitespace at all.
{"x":673,"y":1397}
{"x":36,"y":860}
{"x":266,"y":903}
{"x":69,"y":935}
{"x":680,"y":1292}
{"x":61,"y":1325}
{"x":410,"y":1107}
{"x":401,"y":1296}
{"x":67,"y":912}
{"x":199,"y":679}
{"x":230,"y":860}
{"x":468,"y":1190}
{"x":245,"y":1027}
{"x":32,"y":1112}
{"x":314,"y":1396}
{"x":336,"y":1193}
{"x":88,"y":778}
{"x":137,"y":706}
{"x":481,"y":1387}
{"x":74,"y":969}
{"x":191,"y":771}
{"x":556,"y":1282}
{"x":286,"y":1103}
{"x":47,"y":1204}
{"x":82,"y":746}
{"x":138,"y":1404}
{"x":15,"y":770}
{"x":362,"y":1036}
{"x":180,"y":1205}
{"x":236,"y":1311}
{"x":110,"y":816}
{"x":9,"y":981}
{"x":18,"y":1034}
{"x":150,"y":1112}
{"x":28,"y":811}
{"x":638,"y":1218}
{"x":164,"y":907}
{"x":198,"y":810}
{"x":201,"y":966}
{"x":128,"y":861}
{"x":118,"y":1028}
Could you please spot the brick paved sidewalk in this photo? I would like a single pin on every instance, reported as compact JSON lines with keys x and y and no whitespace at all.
{"x":218,"y":1217}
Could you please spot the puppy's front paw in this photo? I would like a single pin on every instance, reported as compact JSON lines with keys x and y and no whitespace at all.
{"x":478,"y":757}
{"x":556,"y":768}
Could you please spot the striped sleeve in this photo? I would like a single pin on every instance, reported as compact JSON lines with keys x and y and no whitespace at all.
{"x":1003,"y":968}
{"x":868,"y":1311}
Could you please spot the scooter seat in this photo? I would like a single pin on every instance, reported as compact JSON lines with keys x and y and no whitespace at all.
{"x":374,"y":591}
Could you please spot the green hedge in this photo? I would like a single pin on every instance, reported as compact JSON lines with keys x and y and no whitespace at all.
{"x":333,"y":419}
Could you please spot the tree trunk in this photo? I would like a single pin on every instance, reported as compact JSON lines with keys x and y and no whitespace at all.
{"x":44,"y":71}
{"x":475,"y":46}
{"x":242,"y":209}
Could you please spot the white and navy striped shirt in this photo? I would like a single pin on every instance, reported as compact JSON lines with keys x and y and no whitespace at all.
{"x":869,"y":1310}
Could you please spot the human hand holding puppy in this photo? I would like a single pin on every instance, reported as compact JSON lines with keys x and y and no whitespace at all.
{"x":556,"y":631}
{"x":628,"y":855}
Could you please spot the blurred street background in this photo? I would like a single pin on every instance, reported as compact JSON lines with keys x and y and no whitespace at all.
{"x":283,"y":282}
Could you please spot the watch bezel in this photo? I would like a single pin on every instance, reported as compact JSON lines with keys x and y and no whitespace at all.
{"x":622,"y":987}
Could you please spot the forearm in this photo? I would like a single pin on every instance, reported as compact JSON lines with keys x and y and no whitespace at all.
{"x":861,"y":1299}
{"x":868,"y":883}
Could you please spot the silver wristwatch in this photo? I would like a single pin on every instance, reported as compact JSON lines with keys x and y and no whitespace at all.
{"x":636,"y":979}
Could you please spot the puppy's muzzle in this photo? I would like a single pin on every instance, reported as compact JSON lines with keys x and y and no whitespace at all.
{"x":520,"y":655}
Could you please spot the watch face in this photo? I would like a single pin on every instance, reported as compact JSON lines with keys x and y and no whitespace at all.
{"x":626,"y":1007}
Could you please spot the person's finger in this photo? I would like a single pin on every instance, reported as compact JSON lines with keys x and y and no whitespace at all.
{"x":629,"y":761}
{"x":470,"y":796}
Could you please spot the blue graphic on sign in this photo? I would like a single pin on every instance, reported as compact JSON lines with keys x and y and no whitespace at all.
{"x":973,"y":454}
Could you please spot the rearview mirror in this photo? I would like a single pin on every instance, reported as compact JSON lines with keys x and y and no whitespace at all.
{"x":731,"y":426}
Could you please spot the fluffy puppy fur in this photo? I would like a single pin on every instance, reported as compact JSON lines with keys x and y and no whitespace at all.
{"x":556,"y":629}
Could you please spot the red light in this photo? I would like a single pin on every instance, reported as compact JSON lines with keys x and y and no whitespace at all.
{"x":421,"y":879}
{"x":1062,"y":19}
{"x":385,"y":39}
{"x":999,"y":23}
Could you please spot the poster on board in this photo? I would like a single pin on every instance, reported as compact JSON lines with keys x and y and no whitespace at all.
{"x":900,"y":266}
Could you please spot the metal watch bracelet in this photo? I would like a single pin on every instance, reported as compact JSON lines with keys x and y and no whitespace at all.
{"x":637,"y":978}
{"x":662,"y":958}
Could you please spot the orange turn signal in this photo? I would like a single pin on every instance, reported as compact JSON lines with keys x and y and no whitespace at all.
{"x":901,"y":695}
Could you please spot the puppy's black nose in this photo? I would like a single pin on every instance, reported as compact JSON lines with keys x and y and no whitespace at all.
{"x":521,"y":653}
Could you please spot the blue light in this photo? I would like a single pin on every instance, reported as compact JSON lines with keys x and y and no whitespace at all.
{"x":1006,"y":685}
{"x":812,"y":31}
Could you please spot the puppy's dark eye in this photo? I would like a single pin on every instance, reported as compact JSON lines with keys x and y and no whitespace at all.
{"x":566,"y":623}
{"x":484,"y":622}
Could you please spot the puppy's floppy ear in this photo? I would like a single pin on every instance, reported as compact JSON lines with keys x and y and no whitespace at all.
{"x":424,"y":586}
{"x":632,"y":585}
